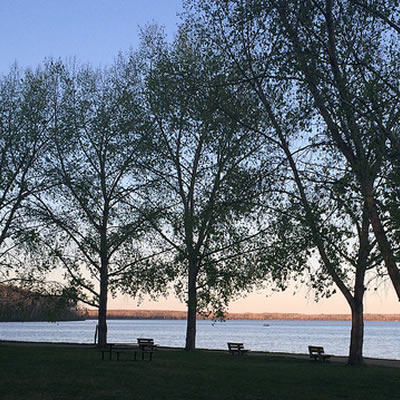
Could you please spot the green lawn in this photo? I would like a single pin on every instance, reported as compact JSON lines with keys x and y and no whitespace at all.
{"x":51,"y":373}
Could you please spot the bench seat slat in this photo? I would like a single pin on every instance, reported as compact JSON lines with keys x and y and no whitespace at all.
{"x":236,"y":348}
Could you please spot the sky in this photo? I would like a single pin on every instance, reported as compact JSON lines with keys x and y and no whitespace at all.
{"x":94,"y":31}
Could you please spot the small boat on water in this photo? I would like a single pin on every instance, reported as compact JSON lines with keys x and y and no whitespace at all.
{"x":265,"y":324}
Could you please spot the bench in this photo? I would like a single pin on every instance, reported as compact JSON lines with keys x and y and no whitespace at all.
{"x":236,"y":348}
{"x":108,"y":348}
{"x":111,"y":348}
{"x":318,"y":353}
{"x":134,"y":351}
{"x":146,"y":344}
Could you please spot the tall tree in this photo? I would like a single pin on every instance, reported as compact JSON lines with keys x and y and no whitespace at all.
{"x":206,"y":167}
{"x":324,"y":211}
{"x":348,"y":58}
{"x":90,"y":227}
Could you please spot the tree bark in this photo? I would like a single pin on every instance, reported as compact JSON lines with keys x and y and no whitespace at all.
{"x":381,"y":238}
{"x":357,"y":333}
{"x":191,"y":309}
{"x":102,"y":316}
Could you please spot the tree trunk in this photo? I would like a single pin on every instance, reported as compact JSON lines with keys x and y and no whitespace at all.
{"x":191,"y":310}
{"x":102,"y":316}
{"x":383,"y":242}
{"x":357,"y":333}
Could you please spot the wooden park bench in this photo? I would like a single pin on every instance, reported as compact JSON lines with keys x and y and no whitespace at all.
{"x":131,"y":350}
{"x":236,"y":348}
{"x":146,"y":344}
{"x":318,"y":353}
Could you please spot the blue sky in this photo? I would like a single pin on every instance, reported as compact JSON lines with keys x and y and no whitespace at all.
{"x":93,"y":31}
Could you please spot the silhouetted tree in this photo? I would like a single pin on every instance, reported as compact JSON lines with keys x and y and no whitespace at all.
{"x":206,"y":165}
{"x":318,"y":188}
{"x":90,"y":228}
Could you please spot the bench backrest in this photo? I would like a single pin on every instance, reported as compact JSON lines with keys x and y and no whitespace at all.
{"x":235,"y":346}
{"x":145,"y":341}
{"x":315,"y":350}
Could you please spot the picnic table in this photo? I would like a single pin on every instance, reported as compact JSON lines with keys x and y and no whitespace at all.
{"x":143,"y":347}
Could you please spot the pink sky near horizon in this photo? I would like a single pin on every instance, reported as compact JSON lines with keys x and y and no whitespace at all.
{"x":383,"y":301}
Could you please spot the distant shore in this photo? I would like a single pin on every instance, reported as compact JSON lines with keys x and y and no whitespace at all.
{"x":169,"y":314}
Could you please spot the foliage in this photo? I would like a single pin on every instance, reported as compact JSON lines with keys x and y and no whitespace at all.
{"x":346,"y":56}
{"x":24,"y":133}
{"x":206,"y":166}
{"x":89,"y":225}
{"x":18,"y":304}
{"x":327,"y":157}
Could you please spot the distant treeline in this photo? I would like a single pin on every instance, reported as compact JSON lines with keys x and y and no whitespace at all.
{"x":18,"y":304}
{"x":167,"y":314}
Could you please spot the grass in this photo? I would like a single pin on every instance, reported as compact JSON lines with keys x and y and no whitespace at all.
{"x":56,"y":373}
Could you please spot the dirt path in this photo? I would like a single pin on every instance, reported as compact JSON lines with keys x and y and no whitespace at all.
{"x":341,"y":359}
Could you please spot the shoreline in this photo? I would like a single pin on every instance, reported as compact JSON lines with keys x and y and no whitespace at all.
{"x":181,"y":315}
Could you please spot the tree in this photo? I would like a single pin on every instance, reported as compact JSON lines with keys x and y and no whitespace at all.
{"x":318,"y":202}
{"x":387,"y":74}
{"x":348,"y":59}
{"x":206,"y":166}
{"x":89,"y":225}
{"x":17,"y":304}
{"x":24,"y":132}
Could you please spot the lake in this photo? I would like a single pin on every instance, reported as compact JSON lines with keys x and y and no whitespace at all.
{"x":382,"y":338}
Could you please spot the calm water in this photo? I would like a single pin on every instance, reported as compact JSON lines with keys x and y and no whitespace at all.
{"x":382,"y":339}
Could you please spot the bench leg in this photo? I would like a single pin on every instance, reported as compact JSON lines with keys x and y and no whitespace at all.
{"x":102,"y":354}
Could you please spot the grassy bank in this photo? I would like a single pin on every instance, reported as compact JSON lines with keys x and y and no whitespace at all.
{"x":55,"y":373}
